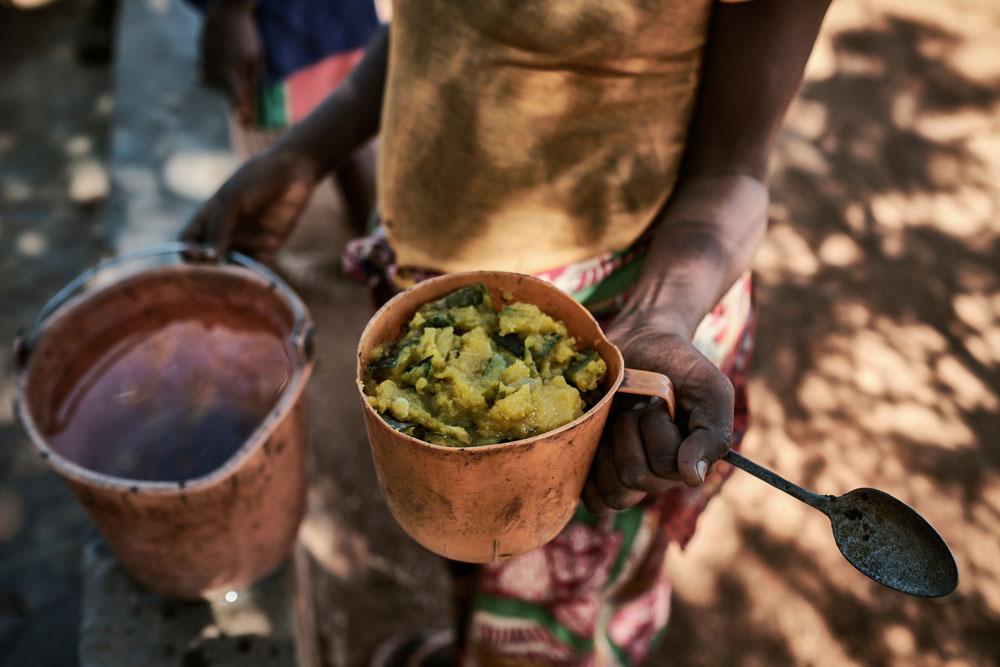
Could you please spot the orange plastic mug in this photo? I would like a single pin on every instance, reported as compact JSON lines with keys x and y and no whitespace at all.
{"x":494,"y":502}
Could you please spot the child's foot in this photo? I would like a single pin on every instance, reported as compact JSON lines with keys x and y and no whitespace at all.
{"x":416,"y":649}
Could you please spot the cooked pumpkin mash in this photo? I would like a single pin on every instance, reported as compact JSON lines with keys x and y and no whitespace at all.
{"x":464,"y":374}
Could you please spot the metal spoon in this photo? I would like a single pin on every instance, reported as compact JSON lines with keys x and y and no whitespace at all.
{"x":881,"y":536}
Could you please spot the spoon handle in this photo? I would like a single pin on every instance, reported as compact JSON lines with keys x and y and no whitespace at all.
{"x":822,"y":503}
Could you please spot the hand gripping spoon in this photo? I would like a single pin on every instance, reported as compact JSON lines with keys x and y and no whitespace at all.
{"x":881,"y":536}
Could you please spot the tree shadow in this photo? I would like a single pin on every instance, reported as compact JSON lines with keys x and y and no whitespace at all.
{"x":878,"y":348}
{"x":964,"y":619}
{"x":738,"y":639}
{"x":915,"y":282}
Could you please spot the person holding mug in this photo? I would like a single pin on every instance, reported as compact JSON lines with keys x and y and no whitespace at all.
{"x":619,"y":150}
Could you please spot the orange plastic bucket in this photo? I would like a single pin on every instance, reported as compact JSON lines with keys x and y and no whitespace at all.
{"x":169,"y":395}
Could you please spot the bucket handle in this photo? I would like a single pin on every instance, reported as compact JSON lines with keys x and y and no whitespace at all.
{"x":303,"y":332}
{"x":653,"y":385}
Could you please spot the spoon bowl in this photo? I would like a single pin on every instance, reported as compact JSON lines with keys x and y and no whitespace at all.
{"x":884,"y":538}
{"x":890,"y":542}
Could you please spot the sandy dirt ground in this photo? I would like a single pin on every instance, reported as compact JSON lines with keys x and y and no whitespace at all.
{"x":877,"y":364}
{"x":878,"y":356}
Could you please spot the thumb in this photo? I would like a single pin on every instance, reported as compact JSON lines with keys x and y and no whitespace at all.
{"x":212,"y":225}
{"x":709,"y":406}
{"x":698,"y":452}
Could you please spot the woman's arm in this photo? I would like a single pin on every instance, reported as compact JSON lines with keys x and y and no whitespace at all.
{"x":349,"y":117}
{"x":705,"y":239}
{"x":706,"y":235}
{"x":256,"y":209}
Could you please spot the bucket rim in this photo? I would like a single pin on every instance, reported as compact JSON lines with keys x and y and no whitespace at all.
{"x":461,"y":279}
{"x":303,"y":364}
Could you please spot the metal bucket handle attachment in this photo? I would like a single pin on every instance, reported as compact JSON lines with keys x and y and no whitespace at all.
{"x":303,"y":331}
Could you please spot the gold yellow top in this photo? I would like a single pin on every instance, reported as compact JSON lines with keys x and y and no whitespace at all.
{"x":528,"y":135}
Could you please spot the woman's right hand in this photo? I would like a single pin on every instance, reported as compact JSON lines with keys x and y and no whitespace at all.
{"x":255,"y":211}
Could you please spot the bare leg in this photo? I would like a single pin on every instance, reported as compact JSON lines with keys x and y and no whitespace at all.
{"x":463,"y":595}
{"x":356,"y":181}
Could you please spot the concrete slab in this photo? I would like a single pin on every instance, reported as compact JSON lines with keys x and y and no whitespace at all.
{"x":170,"y":145}
{"x":125,"y":624}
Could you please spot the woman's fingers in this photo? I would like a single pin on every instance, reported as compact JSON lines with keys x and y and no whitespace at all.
{"x":614,"y":494}
{"x":634,"y":438}
{"x":661,"y":440}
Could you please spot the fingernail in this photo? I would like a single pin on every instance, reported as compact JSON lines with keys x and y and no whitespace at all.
{"x":702,"y":469}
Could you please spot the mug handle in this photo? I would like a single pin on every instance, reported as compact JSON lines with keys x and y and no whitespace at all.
{"x":648,"y":383}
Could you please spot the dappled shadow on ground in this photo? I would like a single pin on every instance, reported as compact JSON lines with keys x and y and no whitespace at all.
{"x":53,"y":115}
{"x":878,"y":364}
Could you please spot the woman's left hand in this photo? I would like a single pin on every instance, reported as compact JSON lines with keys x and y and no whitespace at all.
{"x":643,"y":451}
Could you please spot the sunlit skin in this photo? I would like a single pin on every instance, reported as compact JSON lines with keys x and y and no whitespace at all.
{"x":705,"y":235}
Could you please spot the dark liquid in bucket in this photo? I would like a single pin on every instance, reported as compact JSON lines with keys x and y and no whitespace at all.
{"x":172,"y":401}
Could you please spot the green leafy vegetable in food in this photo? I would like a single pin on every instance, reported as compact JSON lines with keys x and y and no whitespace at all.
{"x":464,"y":374}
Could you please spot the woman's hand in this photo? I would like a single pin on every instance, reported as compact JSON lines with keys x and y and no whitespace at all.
{"x":255,"y":211}
{"x":231,"y":54}
{"x":643,"y":450}
{"x":704,"y":241}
